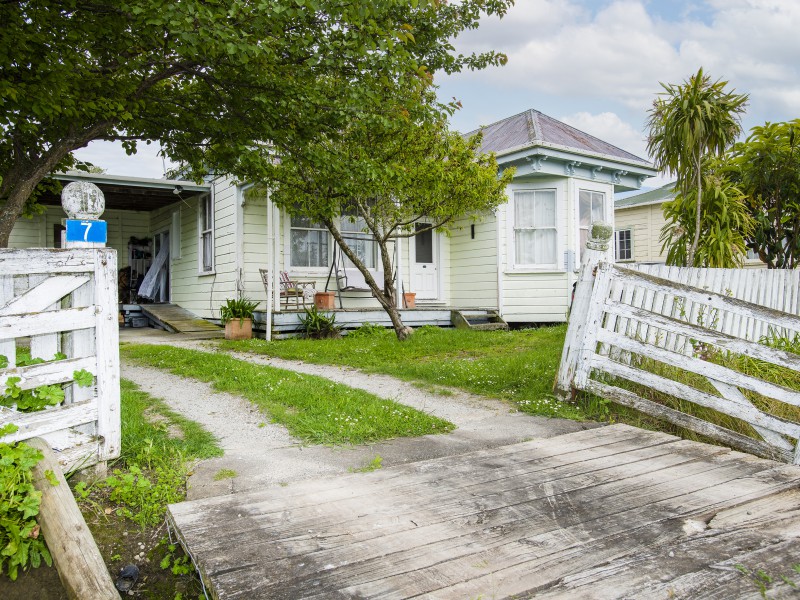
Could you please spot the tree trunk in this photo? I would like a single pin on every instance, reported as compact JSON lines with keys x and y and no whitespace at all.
{"x":15,"y":202}
{"x":386,"y":299}
{"x":697,"y":217}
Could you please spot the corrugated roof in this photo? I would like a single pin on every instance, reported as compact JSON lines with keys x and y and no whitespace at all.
{"x":531,"y":128}
{"x":658,"y":195}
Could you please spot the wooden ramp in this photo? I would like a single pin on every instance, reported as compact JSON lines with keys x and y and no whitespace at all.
{"x":179,"y":320}
{"x":616,"y":512}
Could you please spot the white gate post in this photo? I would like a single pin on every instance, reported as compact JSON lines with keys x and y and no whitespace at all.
{"x":595,"y":251}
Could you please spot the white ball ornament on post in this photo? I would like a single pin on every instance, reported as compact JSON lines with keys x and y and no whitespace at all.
{"x":84,"y":203}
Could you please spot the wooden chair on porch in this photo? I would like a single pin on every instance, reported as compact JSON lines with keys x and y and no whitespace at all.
{"x":296,"y":293}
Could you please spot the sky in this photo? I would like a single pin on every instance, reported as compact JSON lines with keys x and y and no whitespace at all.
{"x":597,"y":64}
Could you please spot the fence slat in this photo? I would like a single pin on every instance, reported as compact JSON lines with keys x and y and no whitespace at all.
{"x":8,"y":348}
{"x":43,"y":295}
{"x":702,"y":367}
{"x":47,"y":373}
{"x":43,"y":422}
{"x":46,"y":322}
{"x":107,"y":348}
{"x":726,"y":436}
{"x":687,"y":392}
{"x":716,"y":338}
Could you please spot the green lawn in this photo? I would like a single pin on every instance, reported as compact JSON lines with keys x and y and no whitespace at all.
{"x":519,"y":366}
{"x":313,"y":409}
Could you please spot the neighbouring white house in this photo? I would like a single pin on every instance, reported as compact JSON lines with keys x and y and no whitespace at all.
{"x":214,"y":238}
{"x":638,"y":221}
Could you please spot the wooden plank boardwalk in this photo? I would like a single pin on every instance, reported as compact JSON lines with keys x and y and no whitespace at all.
{"x":616,"y":512}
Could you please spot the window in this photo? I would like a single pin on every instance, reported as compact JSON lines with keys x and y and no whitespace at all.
{"x":360,"y":240}
{"x":591,"y":208}
{"x":535,"y":233}
{"x":623,"y":244}
{"x":206,"y":225}
{"x":308,"y":242}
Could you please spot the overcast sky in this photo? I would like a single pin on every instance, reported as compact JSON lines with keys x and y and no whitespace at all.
{"x":597,"y":64}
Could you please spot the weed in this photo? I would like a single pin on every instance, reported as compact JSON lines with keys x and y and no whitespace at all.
{"x":224,"y":474}
{"x":316,"y":325}
{"x":368,"y":329}
{"x":373,"y":465}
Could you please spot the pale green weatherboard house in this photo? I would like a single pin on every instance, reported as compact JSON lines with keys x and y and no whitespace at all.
{"x":639,"y":219}
{"x":215,"y":237}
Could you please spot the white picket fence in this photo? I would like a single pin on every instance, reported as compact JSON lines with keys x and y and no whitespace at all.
{"x":63,"y":301}
{"x":678,"y":318}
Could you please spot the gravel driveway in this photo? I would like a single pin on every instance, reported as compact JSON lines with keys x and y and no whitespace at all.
{"x":263,"y":453}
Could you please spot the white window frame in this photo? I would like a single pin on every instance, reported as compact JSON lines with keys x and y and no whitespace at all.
{"x":288,"y":247}
{"x":617,"y":232}
{"x":360,"y":234}
{"x":205,"y":231}
{"x":512,"y":240}
{"x":588,"y":228}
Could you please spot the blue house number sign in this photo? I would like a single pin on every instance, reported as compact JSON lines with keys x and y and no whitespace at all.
{"x":87,"y":231}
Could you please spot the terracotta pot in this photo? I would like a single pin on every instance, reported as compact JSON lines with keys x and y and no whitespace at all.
{"x":325,"y":300}
{"x":239,"y":329}
{"x":410,"y":299}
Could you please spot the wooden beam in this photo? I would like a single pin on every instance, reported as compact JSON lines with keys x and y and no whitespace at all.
{"x":75,"y":554}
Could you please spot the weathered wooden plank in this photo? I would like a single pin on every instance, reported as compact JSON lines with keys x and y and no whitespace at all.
{"x":399,"y":522}
{"x":498,"y":524}
{"x":43,"y":422}
{"x":49,"y":373}
{"x":44,"y":294}
{"x":8,"y":348}
{"x":712,"y":299}
{"x":715,"y":338}
{"x":547,"y":524}
{"x":47,"y":322}
{"x":749,"y":414}
{"x":107,"y":352}
{"x":81,"y":343}
{"x":681,"y":419}
{"x":75,"y":554}
{"x":702,"y":367}
{"x":15,"y":261}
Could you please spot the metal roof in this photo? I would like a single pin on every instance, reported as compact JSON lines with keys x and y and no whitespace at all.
{"x":656,"y":196}
{"x":533,"y":128}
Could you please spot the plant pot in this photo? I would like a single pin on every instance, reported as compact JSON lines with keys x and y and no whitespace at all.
{"x":410,"y":299}
{"x":239,"y":329}
{"x":325,"y":300}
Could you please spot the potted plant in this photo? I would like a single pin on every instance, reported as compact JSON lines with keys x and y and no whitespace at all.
{"x":237,"y":316}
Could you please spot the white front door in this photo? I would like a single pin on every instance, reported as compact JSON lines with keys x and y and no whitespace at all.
{"x":424,"y":264}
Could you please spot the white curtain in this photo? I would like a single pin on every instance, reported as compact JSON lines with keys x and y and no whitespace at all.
{"x":535,"y":227}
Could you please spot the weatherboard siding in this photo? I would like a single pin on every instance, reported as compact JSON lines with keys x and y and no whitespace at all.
{"x":473,"y":263}
{"x":646,"y":222}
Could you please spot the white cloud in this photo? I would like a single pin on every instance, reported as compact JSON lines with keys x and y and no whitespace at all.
{"x":610,"y":128}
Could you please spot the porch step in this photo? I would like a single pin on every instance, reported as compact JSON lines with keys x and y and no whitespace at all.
{"x":177,"y":319}
{"x":479,"y":320}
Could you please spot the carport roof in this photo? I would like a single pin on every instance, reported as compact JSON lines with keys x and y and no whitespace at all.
{"x":132,"y":193}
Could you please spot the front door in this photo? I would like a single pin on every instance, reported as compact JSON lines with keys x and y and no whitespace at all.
{"x":424,"y":270}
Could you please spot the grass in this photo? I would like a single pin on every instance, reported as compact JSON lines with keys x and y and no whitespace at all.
{"x":126,"y":510}
{"x":313,"y":409}
{"x":518,"y":366}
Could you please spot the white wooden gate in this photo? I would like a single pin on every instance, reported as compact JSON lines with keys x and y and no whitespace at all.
{"x":63,"y":303}
{"x":630,"y":325}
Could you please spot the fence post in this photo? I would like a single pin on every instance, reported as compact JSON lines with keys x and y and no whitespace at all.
{"x":595,"y":251}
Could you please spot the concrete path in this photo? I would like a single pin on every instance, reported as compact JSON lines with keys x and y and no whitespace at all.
{"x":263,"y":453}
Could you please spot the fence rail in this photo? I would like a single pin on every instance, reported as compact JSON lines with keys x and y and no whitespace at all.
{"x":684,"y":333}
{"x":61,"y":307}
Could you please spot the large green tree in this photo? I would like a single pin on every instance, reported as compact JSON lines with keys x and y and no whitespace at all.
{"x":766,"y":167}
{"x":390,"y":174}
{"x":688,"y":124}
{"x":725,"y":223}
{"x":213,"y":81}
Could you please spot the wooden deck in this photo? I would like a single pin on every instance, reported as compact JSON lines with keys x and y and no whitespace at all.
{"x":616,"y":512}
